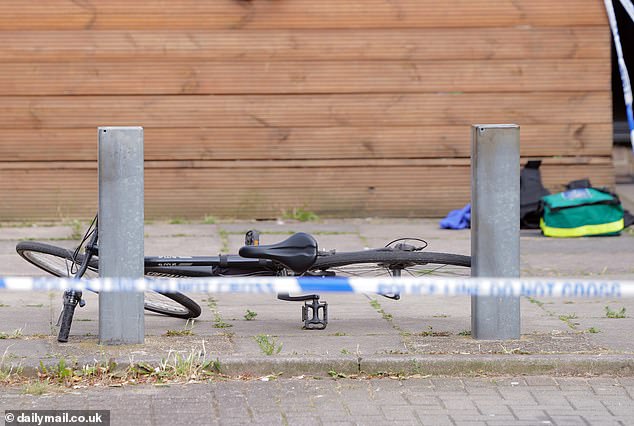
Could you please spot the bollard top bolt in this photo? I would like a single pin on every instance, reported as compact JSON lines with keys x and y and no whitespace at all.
{"x":483,"y":127}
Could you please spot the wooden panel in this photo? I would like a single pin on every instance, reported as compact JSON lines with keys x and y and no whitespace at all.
{"x":304,"y":143}
{"x":356,"y":107}
{"x":190,"y":14}
{"x":295,"y":45}
{"x":448,"y":109}
{"x":253,"y":192}
{"x":305,"y":77}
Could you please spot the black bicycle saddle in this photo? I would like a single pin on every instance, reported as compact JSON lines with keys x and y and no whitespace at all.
{"x":298,"y":252}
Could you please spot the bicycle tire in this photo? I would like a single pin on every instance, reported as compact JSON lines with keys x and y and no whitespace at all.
{"x":58,"y":261}
{"x":381,"y":262}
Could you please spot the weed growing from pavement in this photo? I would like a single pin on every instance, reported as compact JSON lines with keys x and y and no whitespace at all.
{"x":7,"y":372}
{"x":268,"y":344}
{"x":209,"y":220}
{"x":77,"y":229}
{"x":219,"y":322}
{"x":513,"y":351}
{"x":430,"y":332}
{"x":185,"y":331}
{"x":178,"y":221}
{"x":250,"y":315}
{"x":336,"y":375}
{"x":177,"y":367}
{"x":609,"y":313}
{"x":300,"y":214}
{"x":37,"y":388}
{"x":593,"y":330}
{"x":567,"y":319}
{"x":60,"y":373}
{"x":224,"y":240}
{"x":377,"y":307}
{"x":186,"y":367}
{"x":16,"y":334}
{"x":535,"y":302}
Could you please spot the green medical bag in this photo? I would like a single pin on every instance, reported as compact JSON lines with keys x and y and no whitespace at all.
{"x":581,"y":212}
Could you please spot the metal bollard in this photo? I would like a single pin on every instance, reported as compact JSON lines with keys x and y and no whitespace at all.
{"x":121,"y":248}
{"x":495,"y":226}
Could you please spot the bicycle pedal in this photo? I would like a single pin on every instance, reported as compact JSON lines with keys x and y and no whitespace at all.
{"x":311,"y":315}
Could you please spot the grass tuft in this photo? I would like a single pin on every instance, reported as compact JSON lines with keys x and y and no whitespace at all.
{"x":299,"y":214}
{"x":185,"y":331}
{"x":609,"y":313}
{"x":16,"y":334}
{"x":268,"y":344}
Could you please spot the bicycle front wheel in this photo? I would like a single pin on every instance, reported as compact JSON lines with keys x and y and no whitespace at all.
{"x":62,"y":262}
{"x":57,"y":261}
{"x":391,"y":262}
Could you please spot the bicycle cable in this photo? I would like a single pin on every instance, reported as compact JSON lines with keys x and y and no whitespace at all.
{"x":89,"y":233}
{"x":407,"y":247}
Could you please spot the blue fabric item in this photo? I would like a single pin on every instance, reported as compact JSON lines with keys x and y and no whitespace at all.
{"x":457,"y":219}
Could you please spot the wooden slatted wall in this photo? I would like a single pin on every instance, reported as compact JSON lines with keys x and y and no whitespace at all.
{"x":346,"y":108}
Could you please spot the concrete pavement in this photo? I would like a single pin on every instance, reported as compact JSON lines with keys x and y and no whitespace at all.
{"x":365,"y":331}
{"x":366,"y":335}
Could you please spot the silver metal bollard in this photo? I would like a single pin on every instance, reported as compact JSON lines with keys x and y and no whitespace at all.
{"x":495,"y":226}
{"x":121,"y":248}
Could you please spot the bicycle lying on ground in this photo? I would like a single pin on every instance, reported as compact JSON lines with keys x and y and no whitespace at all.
{"x":297,"y":255}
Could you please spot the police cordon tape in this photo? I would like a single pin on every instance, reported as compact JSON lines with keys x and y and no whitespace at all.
{"x":498,"y":287}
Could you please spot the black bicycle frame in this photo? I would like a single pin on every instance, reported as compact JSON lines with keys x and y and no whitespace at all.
{"x":210,"y":266}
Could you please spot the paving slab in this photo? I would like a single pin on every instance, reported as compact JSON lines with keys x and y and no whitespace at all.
{"x":39,"y":232}
{"x":365,"y":331}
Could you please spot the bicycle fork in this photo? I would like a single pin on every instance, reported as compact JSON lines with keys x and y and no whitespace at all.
{"x":72,"y":298}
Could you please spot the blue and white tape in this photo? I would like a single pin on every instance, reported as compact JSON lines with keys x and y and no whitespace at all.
{"x":498,"y":287}
{"x":625,"y":78}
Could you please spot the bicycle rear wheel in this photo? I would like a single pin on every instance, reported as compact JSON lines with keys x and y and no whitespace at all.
{"x":392,"y":262}
{"x":62,"y":262}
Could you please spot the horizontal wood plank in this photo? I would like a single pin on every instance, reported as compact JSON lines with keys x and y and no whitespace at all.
{"x":308,"y":165}
{"x":305,"y":110}
{"x":165,"y":14}
{"x":396,"y":191}
{"x":321,"y":77}
{"x":299,"y":45}
{"x":537,"y":140}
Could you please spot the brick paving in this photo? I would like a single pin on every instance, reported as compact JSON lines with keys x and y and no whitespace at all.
{"x":301,"y":401}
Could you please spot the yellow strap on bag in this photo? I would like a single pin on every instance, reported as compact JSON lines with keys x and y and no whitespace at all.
{"x":581,"y":231}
